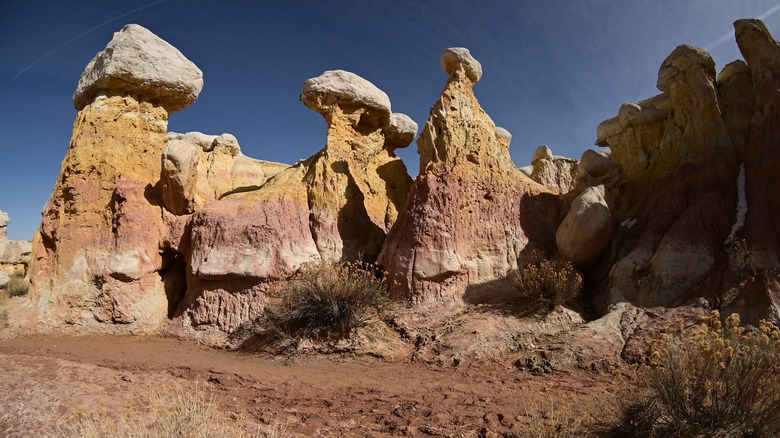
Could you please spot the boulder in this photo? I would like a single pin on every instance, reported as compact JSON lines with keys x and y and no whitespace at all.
{"x":336,"y":205}
{"x":559,"y":173}
{"x":197,"y":168}
{"x":139,"y":63}
{"x":588,"y":227}
{"x":470,"y":211}
{"x":97,"y":254}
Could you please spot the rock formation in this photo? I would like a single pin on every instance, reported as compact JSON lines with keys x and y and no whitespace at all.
{"x":197,"y":168}
{"x":587,"y":229}
{"x":97,"y":254}
{"x":465,"y":222}
{"x":554,"y":171}
{"x":14,"y":254}
{"x":337,"y":205}
{"x":680,"y":153}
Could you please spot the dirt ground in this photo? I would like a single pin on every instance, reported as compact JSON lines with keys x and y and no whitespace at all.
{"x":46,"y":380}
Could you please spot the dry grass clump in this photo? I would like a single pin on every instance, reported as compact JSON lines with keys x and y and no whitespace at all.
{"x":172,"y":412}
{"x":3,"y":311}
{"x":17,"y":286}
{"x":330,"y":301}
{"x":547,"y":284}
{"x":725,"y":384}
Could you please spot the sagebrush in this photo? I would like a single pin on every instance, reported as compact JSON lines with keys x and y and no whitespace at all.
{"x":725,"y":383}
{"x":330,"y":300}
{"x":17,"y":286}
{"x":547,"y":284}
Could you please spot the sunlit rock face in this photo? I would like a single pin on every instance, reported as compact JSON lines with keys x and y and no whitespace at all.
{"x":198,"y":168}
{"x":465,"y":223}
{"x":336,"y":205}
{"x":559,"y":173}
{"x":97,"y":258}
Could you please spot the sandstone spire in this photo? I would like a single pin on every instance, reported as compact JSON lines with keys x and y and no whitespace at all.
{"x":97,"y":253}
{"x":463,"y":224}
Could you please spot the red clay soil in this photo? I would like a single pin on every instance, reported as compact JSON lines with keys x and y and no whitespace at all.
{"x":44,"y":380}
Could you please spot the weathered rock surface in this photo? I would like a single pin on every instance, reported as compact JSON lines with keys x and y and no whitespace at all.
{"x":197,"y":168}
{"x":465,"y":221}
{"x":559,"y":173}
{"x":337,"y":205}
{"x":138,"y":63}
{"x":97,"y":255}
{"x":14,"y":254}
{"x":679,"y":153}
{"x":587,"y":229}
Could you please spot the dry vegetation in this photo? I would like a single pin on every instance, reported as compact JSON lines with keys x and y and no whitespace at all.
{"x":726,"y":383}
{"x":330,"y":301}
{"x":547,"y":284}
{"x":172,"y":412}
{"x":17,"y":286}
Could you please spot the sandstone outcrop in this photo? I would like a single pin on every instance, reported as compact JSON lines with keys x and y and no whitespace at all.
{"x":554,"y":171}
{"x":337,"y":205}
{"x":97,"y":254}
{"x":465,"y":223}
{"x":14,"y":254}
{"x":680,"y":156}
{"x":197,"y":168}
{"x":138,"y":63}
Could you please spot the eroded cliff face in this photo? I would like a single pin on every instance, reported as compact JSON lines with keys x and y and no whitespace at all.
{"x":97,"y":253}
{"x":466,"y":220}
{"x":337,"y":205}
{"x":696,"y":201}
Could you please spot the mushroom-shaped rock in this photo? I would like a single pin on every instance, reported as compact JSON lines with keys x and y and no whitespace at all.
{"x":4,"y":221}
{"x":458,"y":62}
{"x":400,"y":132}
{"x":543,"y":152}
{"x":683,"y":58}
{"x":587,"y":228}
{"x":503,"y":136}
{"x":339,"y":87}
{"x":138,"y":62}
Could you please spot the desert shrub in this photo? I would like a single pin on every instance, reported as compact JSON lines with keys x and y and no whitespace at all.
{"x":725,"y":383}
{"x":547,"y":284}
{"x":17,"y":286}
{"x":331,"y":300}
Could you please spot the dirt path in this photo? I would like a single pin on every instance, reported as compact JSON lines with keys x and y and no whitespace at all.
{"x":46,"y":378}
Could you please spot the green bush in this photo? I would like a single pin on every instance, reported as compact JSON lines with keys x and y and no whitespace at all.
{"x":724,"y":384}
{"x":330,"y":301}
{"x":17,"y":286}
{"x":547,"y":284}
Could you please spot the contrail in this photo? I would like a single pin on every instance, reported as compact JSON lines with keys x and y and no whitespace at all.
{"x":49,"y":53}
{"x":728,"y":36}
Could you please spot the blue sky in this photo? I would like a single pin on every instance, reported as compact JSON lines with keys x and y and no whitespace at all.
{"x":553,"y":70}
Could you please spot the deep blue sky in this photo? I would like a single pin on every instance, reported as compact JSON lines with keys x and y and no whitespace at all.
{"x":553,"y":70}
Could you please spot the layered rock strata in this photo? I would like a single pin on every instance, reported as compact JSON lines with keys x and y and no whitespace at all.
{"x":197,"y":168}
{"x":14,"y":254}
{"x":97,"y":253}
{"x":337,"y":205}
{"x":465,"y":223}
{"x":559,"y":173}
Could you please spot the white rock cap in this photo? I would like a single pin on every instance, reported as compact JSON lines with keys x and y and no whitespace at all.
{"x":136,"y":61}
{"x":338,"y":87}
{"x":400,"y":132}
{"x":458,"y":60}
{"x":4,"y":219}
{"x":504,"y":135}
{"x":543,"y":152}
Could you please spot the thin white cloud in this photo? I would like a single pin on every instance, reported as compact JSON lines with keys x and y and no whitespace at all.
{"x":723,"y":39}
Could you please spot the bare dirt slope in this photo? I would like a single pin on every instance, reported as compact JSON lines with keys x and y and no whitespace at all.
{"x":46,"y":381}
